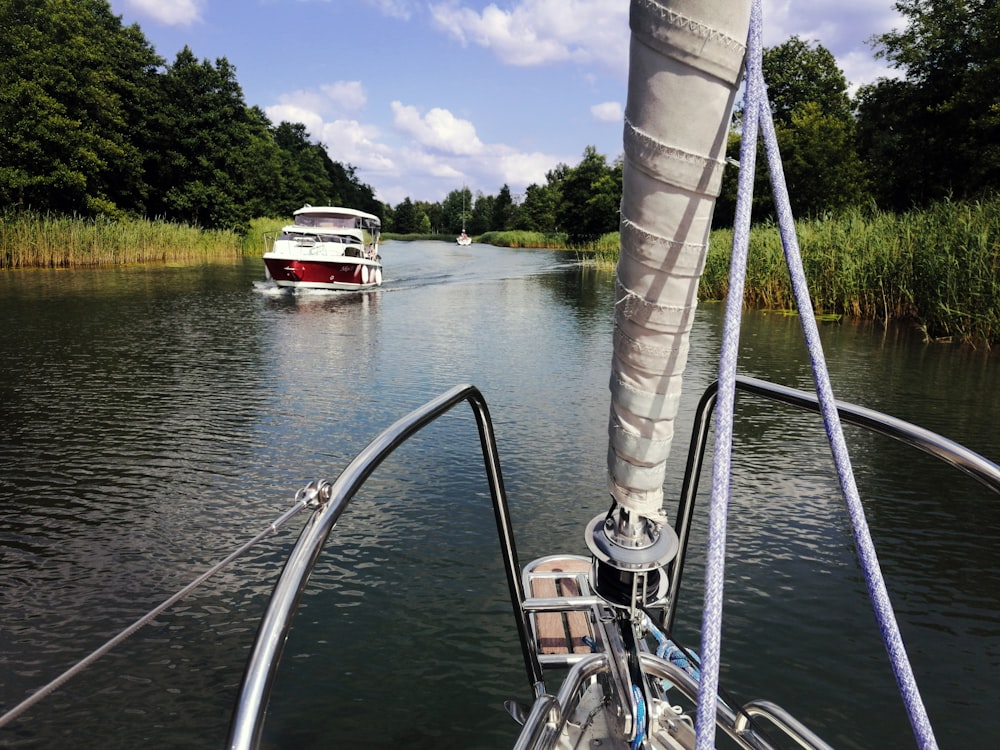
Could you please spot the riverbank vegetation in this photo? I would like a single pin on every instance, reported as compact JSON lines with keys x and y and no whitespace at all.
{"x":30,"y":240}
{"x":96,"y":124}
{"x":937,"y":269}
{"x":895,"y":187}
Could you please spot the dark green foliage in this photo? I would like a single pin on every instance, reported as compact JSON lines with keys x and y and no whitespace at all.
{"x":200,"y":160}
{"x":798,"y":73}
{"x":538,"y":212}
{"x":74,"y":89}
{"x":815,"y":133}
{"x":937,"y":132}
{"x":404,"y":220}
{"x":482,"y":214}
{"x":456,"y":211}
{"x":503,"y":211}
{"x":591,"y":196}
{"x":93,"y":124}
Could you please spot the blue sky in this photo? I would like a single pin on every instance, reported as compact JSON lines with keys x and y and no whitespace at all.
{"x":425,"y":96}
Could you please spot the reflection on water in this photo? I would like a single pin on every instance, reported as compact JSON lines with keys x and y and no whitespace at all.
{"x":151,"y":419}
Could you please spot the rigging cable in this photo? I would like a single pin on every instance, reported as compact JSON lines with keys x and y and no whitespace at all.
{"x":757,"y":112}
{"x":303,"y":498}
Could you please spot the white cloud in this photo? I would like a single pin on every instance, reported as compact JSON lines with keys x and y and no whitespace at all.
{"x":348,"y":96}
{"x":861,"y":68}
{"x":841,"y":26}
{"x":518,"y":170}
{"x":352,"y":142}
{"x":168,"y":12}
{"x":296,"y":113}
{"x":424,"y":156}
{"x":608,"y":112}
{"x":439,"y":129}
{"x":338,"y":98}
{"x":534,"y":32}
{"x":312,"y":107}
{"x":401,"y":9}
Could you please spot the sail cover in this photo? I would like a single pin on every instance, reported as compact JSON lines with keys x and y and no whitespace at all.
{"x":686,"y":60}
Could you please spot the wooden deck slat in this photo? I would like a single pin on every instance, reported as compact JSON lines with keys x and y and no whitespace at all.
{"x":577,"y":623}
{"x":551,"y":626}
{"x":558,"y":632}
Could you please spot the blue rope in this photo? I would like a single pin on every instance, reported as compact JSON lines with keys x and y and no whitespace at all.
{"x":756,"y":112}
{"x":640,"y":718}
{"x":711,"y":629}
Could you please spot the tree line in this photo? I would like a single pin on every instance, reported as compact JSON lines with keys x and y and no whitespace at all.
{"x":94,"y":122}
{"x":579,"y":202}
{"x":905,"y":143}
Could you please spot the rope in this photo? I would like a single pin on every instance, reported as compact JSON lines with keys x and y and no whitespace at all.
{"x":711,"y":629}
{"x":301,"y":501}
{"x":757,"y":111}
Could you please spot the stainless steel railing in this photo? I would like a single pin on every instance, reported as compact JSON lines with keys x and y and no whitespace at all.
{"x":548,"y":716}
{"x":976,"y":466}
{"x":333,"y":497}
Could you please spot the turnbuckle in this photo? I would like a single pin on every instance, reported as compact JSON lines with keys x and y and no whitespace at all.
{"x":318,"y":492}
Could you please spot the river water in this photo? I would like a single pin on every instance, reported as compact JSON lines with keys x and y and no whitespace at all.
{"x":154,"y":418}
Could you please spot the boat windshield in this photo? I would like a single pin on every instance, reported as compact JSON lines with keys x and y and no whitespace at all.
{"x":330,"y":222}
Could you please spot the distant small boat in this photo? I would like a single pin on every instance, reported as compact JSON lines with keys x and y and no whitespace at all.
{"x":327,"y":247}
{"x":463,"y":239}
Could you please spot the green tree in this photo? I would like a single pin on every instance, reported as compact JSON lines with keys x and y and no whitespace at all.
{"x":590,"y":198}
{"x":309,"y":175}
{"x":538,"y":211}
{"x":347,"y":188}
{"x":503,"y":211}
{"x":822,"y":167}
{"x":405,"y":218}
{"x":456,"y":210}
{"x":799,"y":73}
{"x":203,"y":161}
{"x":435,"y":215}
{"x":482,"y":214}
{"x":946,"y":108}
{"x":74,"y":87}
{"x":304,"y":172}
{"x":815,"y":132}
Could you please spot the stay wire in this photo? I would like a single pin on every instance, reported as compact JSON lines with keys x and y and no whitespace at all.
{"x":301,"y":502}
{"x":715,"y":561}
{"x":757,"y":113}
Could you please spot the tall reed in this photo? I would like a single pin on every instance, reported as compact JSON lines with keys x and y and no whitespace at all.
{"x":523,"y":238}
{"x":32,"y":240}
{"x":937,"y":268}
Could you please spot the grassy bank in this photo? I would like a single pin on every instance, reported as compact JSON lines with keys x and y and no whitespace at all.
{"x":521,"y":238}
{"x":418,"y":237}
{"x":938,"y":269}
{"x":29,"y":240}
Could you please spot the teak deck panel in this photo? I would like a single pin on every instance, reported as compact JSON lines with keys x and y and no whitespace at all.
{"x":561,"y":632}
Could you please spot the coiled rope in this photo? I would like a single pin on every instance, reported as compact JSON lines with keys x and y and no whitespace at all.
{"x":757,"y":114}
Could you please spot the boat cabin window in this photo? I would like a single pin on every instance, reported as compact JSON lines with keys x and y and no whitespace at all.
{"x":330,"y":222}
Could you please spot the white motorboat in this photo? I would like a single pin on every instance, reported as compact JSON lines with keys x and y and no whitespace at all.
{"x":327,"y":247}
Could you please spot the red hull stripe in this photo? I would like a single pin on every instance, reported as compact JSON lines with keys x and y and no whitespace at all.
{"x":315,"y":273}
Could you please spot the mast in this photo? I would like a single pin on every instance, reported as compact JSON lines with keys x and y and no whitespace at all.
{"x":685,"y":64}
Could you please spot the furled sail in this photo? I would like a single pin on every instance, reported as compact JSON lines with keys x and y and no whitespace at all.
{"x":686,"y":58}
